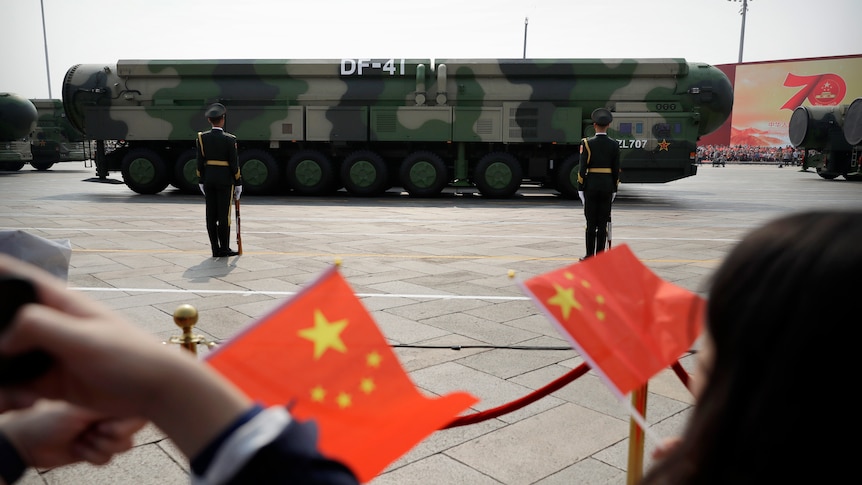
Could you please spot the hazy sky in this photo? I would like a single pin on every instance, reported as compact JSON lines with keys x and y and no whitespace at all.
{"x":104,"y":31}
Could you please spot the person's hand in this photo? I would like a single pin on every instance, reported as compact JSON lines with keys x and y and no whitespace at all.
{"x":237,"y":191}
{"x":581,"y":196}
{"x":105,"y":364}
{"x":88,"y":344}
{"x":667,"y":446}
{"x":201,"y":186}
{"x":55,"y":433}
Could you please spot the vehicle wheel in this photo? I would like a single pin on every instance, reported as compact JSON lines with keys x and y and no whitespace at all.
{"x":310,"y":172}
{"x":827,"y":175}
{"x":12,"y":166}
{"x":567,"y":176}
{"x":364,"y":173}
{"x":41,"y":166}
{"x":498,"y":175}
{"x":186,"y":172}
{"x":259,"y":171}
{"x":144,"y":171}
{"x":423,"y":174}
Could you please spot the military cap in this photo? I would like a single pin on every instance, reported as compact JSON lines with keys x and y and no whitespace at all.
{"x":602,"y":116}
{"x":216,"y":110}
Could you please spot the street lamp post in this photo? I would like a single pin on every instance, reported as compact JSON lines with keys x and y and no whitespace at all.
{"x":45,"y":40}
{"x":526,"y":21}
{"x":742,"y":30}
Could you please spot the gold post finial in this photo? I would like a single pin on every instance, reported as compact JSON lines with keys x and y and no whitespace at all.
{"x":185,"y":317}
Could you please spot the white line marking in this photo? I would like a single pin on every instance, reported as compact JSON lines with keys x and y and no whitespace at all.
{"x":376,"y":234}
{"x":289,"y":293}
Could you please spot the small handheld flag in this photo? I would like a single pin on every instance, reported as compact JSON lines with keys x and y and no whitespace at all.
{"x":322,"y":354}
{"x":626,"y":322}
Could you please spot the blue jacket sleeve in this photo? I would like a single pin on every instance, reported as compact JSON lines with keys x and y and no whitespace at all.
{"x":268,"y":447}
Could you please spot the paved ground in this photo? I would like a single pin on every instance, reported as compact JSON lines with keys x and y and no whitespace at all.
{"x":433,"y":273}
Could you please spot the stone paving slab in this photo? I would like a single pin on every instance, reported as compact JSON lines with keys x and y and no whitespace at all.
{"x":434,"y":275}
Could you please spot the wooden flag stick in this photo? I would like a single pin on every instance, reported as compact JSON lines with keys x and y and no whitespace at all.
{"x":636,"y":438}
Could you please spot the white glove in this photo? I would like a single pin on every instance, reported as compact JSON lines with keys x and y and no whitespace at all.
{"x":581,"y":195}
{"x":237,"y":191}
{"x":613,"y":196}
{"x":202,"y":188}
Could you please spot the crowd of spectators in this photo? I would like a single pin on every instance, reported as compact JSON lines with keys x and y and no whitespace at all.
{"x":718,"y":155}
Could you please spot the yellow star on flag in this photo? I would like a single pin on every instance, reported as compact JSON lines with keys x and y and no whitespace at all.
{"x":325,"y":335}
{"x":565,"y":299}
{"x":344,"y":400}
{"x":373,"y":359}
{"x":367,"y":385}
{"x":318,"y":393}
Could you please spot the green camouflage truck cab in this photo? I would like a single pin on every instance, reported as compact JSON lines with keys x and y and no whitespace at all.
{"x":17,"y":119}
{"x":55,"y":139}
{"x":315,"y":126}
{"x":831,"y":137}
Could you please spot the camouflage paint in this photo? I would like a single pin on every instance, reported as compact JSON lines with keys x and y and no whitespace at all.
{"x":55,"y":139}
{"x":528,"y":115}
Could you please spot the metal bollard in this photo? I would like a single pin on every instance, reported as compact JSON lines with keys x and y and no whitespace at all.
{"x":185,"y":317}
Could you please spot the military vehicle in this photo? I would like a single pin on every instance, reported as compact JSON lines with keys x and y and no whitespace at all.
{"x":55,"y":139}
{"x":831,"y":137}
{"x":17,"y":119}
{"x":366,"y":125}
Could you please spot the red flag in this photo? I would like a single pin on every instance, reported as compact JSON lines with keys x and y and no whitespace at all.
{"x":322,"y":354}
{"x":627,"y":323}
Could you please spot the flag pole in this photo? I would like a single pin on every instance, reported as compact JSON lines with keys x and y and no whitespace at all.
{"x":636,"y":438}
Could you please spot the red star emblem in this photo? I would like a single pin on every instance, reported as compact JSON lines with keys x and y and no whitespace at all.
{"x":663,"y":145}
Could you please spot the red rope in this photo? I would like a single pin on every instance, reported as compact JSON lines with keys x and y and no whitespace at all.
{"x":542,"y":392}
{"x":519,"y":403}
{"x":682,"y":374}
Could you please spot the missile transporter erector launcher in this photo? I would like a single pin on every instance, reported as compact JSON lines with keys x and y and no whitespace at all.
{"x":834,"y":133}
{"x":314,"y":126}
{"x":18,"y":118}
{"x":55,"y":139}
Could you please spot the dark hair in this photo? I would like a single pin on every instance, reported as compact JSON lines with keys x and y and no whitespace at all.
{"x":778,"y":394}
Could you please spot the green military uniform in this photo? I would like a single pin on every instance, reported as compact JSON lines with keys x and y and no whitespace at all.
{"x":598,"y":178}
{"x":218,"y":170}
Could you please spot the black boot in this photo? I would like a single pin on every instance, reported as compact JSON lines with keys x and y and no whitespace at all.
{"x":224,"y":241}
{"x":214,"y":245}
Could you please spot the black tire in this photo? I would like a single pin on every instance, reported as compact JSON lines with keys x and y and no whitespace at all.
{"x":12,"y":166}
{"x":498,"y":175}
{"x":186,"y":172}
{"x":423,"y":174}
{"x":310,"y":172}
{"x":144,"y":171}
{"x":259,"y":171}
{"x":567,"y":176}
{"x":827,"y":175}
{"x":41,"y":166}
{"x":364,"y":174}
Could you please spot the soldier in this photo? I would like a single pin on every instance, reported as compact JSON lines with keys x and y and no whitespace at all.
{"x":598,"y":178}
{"x":220,"y":180}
